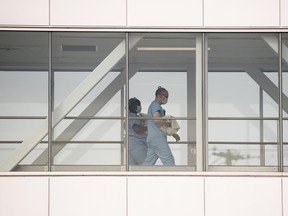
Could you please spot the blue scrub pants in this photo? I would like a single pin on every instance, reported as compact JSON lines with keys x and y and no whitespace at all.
{"x":137,"y":152}
{"x":159,"y":148}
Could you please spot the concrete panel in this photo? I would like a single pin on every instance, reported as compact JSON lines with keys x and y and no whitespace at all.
{"x":284,"y":14}
{"x":241,"y":13}
{"x":28,"y":12}
{"x":169,"y":196}
{"x":285,"y":196}
{"x":24,"y":196}
{"x":88,"y":196}
{"x":88,"y":12}
{"x":240,"y":196}
{"x":152,"y":13}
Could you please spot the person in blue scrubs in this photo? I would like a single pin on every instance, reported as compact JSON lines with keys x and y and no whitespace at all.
{"x":157,"y":139}
{"x":137,"y":131}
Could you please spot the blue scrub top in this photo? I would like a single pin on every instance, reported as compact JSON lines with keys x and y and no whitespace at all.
{"x":131,"y":122}
{"x":153,"y":130}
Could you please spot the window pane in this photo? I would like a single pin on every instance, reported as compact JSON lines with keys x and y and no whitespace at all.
{"x":23,"y":98}
{"x":285,"y":96}
{"x":167,"y":60}
{"x":89,"y":81}
{"x":242,"y":100}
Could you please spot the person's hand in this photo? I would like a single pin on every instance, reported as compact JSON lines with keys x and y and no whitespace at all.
{"x":168,"y":124}
{"x":144,"y":116}
{"x":176,"y":136}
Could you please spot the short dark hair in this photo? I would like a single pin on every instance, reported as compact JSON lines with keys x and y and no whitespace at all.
{"x":160,"y":90}
{"x":133,"y":103}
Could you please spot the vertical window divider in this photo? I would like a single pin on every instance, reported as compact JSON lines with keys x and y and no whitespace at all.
{"x":50,"y":103}
{"x":280,"y":126}
{"x":126,"y":141}
{"x":261,"y":132}
{"x":205,"y":100}
{"x":201,"y":103}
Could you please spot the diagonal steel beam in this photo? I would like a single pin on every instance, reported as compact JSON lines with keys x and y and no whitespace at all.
{"x":91,"y":110}
{"x":265,"y":82}
{"x":272,"y":41}
{"x":267,"y":85}
{"x":69,"y":103}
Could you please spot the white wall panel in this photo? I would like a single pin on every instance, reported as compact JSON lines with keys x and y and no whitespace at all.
{"x":285,"y":196}
{"x":24,"y":196}
{"x":88,"y":196}
{"x":284,"y":14}
{"x":240,"y":196}
{"x":169,"y":196}
{"x":88,"y":12}
{"x":28,"y":12}
{"x":165,"y":13}
{"x":237,"y":13}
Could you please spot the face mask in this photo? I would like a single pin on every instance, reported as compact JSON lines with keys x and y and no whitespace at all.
{"x":165,"y":100}
{"x":138,"y":109}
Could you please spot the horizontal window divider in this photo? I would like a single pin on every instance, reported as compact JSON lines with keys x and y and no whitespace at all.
{"x":95,"y":117}
{"x":244,"y":143}
{"x":66,"y":142}
{"x":109,"y":118}
{"x":91,"y":142}
{"x":76,"y":167}
{"x":117,"y":142}
{"x":162,"y":168}
{"x":23,"y":117}
{"x":10,"y":142}
{"x":166,"y":117}
{"x":242,"y":168}
{"x":243,"y":118}
{"x":88,"y":142}
{"x":114,"y":142}
{"x":69,"y":167}
{"x":183,"y":142}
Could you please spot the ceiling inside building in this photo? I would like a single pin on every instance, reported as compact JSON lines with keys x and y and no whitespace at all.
{"x":82,"y":51}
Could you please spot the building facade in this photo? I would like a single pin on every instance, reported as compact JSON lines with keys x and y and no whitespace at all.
{"x":68,"y":68}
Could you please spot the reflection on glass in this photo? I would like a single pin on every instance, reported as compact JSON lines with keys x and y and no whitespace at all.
{"x":89,"y":78}
{"x":238,"y":155}
{"x":168,"y":60}
{"x":89,"y":98}
{"x":285,"y":97}
{"x":23,"y":99}
{"x":242,"y":100}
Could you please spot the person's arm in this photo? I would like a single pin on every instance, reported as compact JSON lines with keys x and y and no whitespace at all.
{"x":176,"y":136}
{"x":139,"y":129}
{"x":157,"y":120}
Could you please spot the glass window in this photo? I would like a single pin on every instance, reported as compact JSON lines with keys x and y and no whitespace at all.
{"x":94,"y":92}
{"x":88,"y":115}
{"x":166,"y":60}
{"x":23,"y":99}
{"x":242,"y":101}
{"x":285,"y":97}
